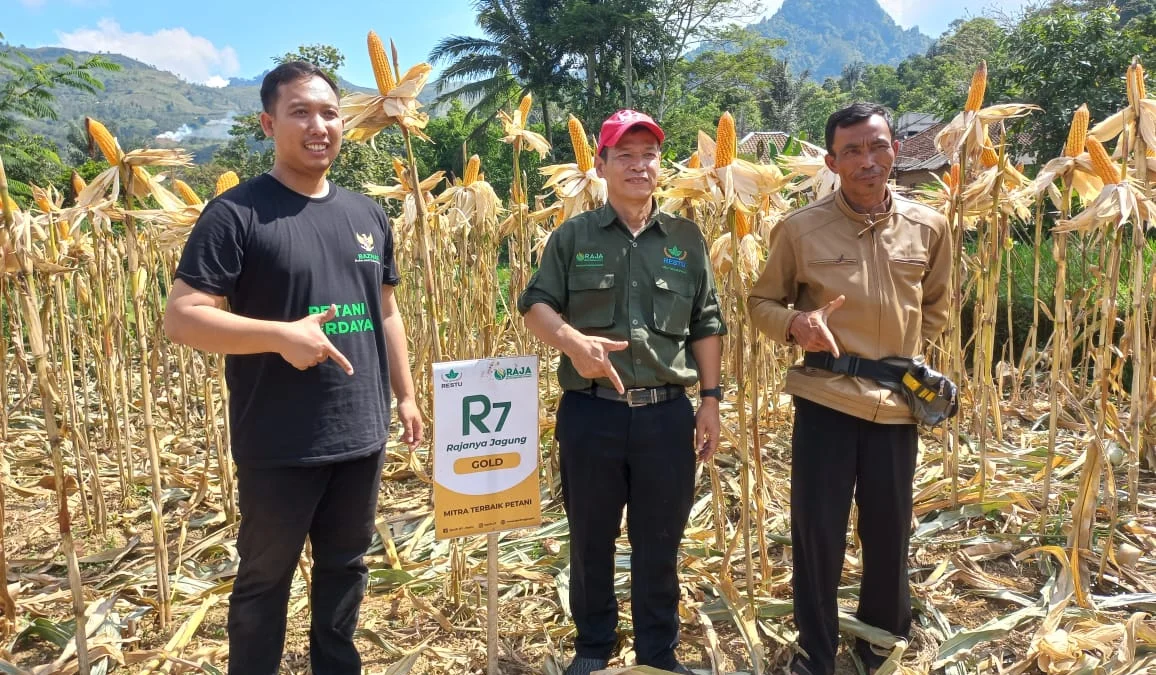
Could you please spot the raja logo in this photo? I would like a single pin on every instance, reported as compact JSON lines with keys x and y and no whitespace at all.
{"x":366,"y":243}
{"x":589,"y":259}
{"x":674,"y":258}
{"x":451,"y":379}
{"x":512,"y":373}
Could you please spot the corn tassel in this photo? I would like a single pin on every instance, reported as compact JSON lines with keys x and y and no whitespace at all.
{"x":524,"y":109}
{"x":1078,"y":132}
{"x":104,"y":140}
{"x":581,"y":147}
{"x":226,"y":181}
{"x":977,"y":89}
{"x":1101,"y":163}
{"x":186,"y":192}
{"x":726,"y":141}
{"x":472,"y":169}
{"x":381,"y":70}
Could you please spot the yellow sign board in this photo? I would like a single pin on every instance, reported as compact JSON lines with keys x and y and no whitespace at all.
{"x":485,"y":446}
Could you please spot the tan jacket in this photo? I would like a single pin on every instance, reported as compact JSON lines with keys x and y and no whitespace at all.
{"x":894,"y":273}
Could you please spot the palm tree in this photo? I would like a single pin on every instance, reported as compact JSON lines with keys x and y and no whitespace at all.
{"x":514,"y":58}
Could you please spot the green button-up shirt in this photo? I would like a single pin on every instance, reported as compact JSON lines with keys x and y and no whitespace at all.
{"x":654,"y":290}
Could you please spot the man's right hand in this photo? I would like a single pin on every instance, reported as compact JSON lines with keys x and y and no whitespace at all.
{"x":809,"y":329}
{"x":305,"y":345}
{"x":591,"y":358}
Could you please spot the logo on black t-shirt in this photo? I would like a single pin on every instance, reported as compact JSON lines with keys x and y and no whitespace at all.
{"x":366,"y":242}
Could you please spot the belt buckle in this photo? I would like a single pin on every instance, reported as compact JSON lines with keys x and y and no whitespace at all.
{"x":633,"y":402}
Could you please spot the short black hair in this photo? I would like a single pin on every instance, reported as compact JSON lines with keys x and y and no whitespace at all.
{"x":290,"y":71}
{"x":852,"y":115}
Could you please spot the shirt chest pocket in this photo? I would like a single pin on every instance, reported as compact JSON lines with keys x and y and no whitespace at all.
{"x":590,"y":299}
{"x":673,"y":300}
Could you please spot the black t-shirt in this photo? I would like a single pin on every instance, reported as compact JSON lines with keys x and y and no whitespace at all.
{"x":276,"y":254}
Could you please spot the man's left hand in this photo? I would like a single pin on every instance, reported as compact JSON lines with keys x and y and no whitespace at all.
{"x":410,"y":416}
{"x":706,"y":428}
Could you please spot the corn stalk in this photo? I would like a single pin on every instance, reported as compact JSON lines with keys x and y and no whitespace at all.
{"x":30,"y":302}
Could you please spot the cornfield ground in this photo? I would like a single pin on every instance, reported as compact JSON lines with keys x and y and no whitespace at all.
{"x":1034,"y":545}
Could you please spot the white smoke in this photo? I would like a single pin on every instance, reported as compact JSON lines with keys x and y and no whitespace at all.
{"x":213,"y":130}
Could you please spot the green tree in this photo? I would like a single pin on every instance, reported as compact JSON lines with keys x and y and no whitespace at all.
{"x":27,"y":90}
{"x":1060,"y":57}
{"x":516,"y":47}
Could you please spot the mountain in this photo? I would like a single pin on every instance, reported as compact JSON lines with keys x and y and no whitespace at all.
{"x":824,"y":35}
{"x":146,"y":106}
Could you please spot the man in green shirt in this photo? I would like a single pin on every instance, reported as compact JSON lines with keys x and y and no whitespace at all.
{"x":626,"y":294}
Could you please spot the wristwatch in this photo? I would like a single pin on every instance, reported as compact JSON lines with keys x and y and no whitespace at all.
{"x":716,"y":392}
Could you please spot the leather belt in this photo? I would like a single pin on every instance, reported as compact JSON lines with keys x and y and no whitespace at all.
{"x":638,"y":396}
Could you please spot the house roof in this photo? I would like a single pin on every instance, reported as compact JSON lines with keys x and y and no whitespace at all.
{"x":919,"y":153}
{"x":750,"y":144}
{"x":912,"y":123}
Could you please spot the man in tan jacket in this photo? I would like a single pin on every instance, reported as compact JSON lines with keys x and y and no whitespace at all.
{"x":857,"y":276}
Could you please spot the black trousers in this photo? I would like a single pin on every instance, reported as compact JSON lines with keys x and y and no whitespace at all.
{"x":835,"y":455}
{"x":334,"y":504}
{"x":643,"y":458}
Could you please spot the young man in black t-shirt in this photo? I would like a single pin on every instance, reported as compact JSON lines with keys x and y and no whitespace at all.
{"x":314,"y":342}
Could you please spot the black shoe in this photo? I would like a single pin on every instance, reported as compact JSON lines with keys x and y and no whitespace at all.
{"x":585,"y":665}
{"x":682,"y":670}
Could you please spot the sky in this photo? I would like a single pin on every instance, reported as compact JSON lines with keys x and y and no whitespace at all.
{"x":209,"y":41}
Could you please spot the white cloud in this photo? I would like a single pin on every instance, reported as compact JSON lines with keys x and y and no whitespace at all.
{"x":191,"y":57}
{"x":216,"y":82}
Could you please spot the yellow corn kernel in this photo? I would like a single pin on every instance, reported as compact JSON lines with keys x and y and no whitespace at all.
{"x":227,"y":181}
{"x":472,"y":168}
{"x":524,"y":108}
{"x":1102,"y":163}
{"x":977,"y":89}
{"x":186,"y":192}
{"x":1078,"y":132}
{"x":104,"y":140}
{"x":381,"y":69}
{"x":726,"y":141}
{"x":581,"y":146}
{"x":694,"y":162}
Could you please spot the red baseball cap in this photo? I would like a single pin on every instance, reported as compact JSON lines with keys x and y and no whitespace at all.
{"x":622,"y":121}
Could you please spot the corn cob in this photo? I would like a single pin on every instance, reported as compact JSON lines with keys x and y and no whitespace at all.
{"x":1135,"y":81}
{"x":41,"y":200}
{"x":381,"y":70}
{"x":988,"y":157}
{"x":104,"y":140}
{"x":976,"y":91}
{"x":1101,"y":163}
{"x":726,"y":141}
{"x":694,"y":162}
{"x":1078,"y":132}
{"x":78,"y":183}
{"x":472,"y":168}
{"x":742,"y":224}
{"x":186,"y":192}
{"x":581,"y":146}
{"x":227,"y":181}
{"x":524,"y":108}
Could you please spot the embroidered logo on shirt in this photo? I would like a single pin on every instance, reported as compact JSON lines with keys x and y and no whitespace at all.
{"x":366,"y":243}
{"x":589,"y":259}
{"x":674,"y":258}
